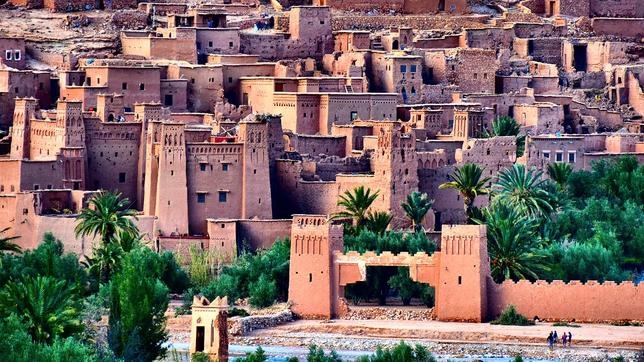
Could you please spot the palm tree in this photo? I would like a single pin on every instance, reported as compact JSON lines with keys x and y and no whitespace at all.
{"x":559,"y":172}
{"x":6,"y":242}
{"x":512,"y":243}
{"x":107,"y":215}
{"x":378,"y":221}
{"x":508,"y":126}
{"x":416,"y":207}
{"x":48,"y":306}
{"x":526,"y":190}
{"x":467,"y":181}
{"x":355,"y":204}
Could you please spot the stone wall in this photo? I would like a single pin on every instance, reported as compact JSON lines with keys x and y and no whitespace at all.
{"x":619,"y":27}
{"x":418,"y":22}
{"x":589,"y":302}
{"x":261,"y":234}
{"x":241,"y":326}
{"x":617,"y":8}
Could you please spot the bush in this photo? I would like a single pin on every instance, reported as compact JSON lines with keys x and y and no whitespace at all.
{"x":518,"y":358}
{"x":262,"y":292}
{"x":316,"y":354}
{"x":510,"y":317}
{"x":401,"y":353}
{"x":257,"y":356}
{"x":200,"y":357}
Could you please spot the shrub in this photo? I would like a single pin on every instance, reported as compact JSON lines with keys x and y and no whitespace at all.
{"x":200,"y":357}
{"x":257,"y":356}
{"x":262,"y":292}
{"x":401,"y":353}
{"x":518,"y":358}
{"x":510,"y":317}
{"x":316,"y":354}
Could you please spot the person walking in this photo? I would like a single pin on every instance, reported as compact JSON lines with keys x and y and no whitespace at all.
{"x":569,"y":338}
{"x":563,"y":339}
{"x":549,"y":339}
{"x":554,"y":337}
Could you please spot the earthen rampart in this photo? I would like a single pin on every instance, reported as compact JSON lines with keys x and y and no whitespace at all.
{"x":556,"y":300}
{"x":419,"y":22}
{"x":619,"y":27}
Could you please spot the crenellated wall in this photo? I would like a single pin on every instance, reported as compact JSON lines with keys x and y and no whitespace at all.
{"x":556,"y":300}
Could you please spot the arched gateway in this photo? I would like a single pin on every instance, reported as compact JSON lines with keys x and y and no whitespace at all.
{"x":319,"y":269}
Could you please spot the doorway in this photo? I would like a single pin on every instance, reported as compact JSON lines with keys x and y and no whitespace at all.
{"x":201,"y":335}
{"x":580,"y":60}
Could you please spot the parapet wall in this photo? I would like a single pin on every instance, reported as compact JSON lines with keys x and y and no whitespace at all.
{"x":619,"y":27}
{"x":589,"y":302}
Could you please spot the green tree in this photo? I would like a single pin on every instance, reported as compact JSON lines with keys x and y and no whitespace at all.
{"x":559,"y":173}
{"x":401,"y":353}
{"x":416,"y":207}
{"x":508,"y":126}
{"x":6,"y":242}
{"x":138,"y":303}
{"x":257,"y":356}
{"x":108,"y":215}
{"x":468,"y":181}
{"x":356,"y":203}
{"x":378,"y":221}
{"x":316,"y":354}
{"x":512,"y":243}
{"x":262,"y":292}
{"x":526,"y":190}
{"x":49,"y":307}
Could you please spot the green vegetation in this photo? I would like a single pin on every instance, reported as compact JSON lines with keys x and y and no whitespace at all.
{"x":565,"y":324}
{"x":508,"y":126}
{"x":416,"y":207}
{"x":257,"y":356}
{"x":401,"y":353}
{"x":468,"y":180}
{"x":6,"y":242}
{"x":568,"y":227}
{"x":262,"y":277}
{"x":510,"y":317}
{"x":356,"y":202}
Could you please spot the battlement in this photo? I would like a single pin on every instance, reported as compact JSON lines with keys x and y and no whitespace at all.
{"x":572,"y":283}
{"x":385,"y":258}
{"x":309,"y":221}
{"x":215,"y":149}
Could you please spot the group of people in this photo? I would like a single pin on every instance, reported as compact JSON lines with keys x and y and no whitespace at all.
{"x":553,"y":338}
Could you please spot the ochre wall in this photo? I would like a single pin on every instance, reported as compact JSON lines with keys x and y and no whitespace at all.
{"x":589,"y":302}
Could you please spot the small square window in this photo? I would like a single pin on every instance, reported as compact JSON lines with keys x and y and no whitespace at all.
{"x":50,"y":186}
{"x":8,"y":55}
{"x":559,"y":156}
{"x":141,"y":86}
{"x":546,"y":155}
{"x":572,"y":157}
{"x":124,"y":86}
{"x":17,"y":55}
{"x":223,"y":195}
{"x":321,"y":22}
{"x":202,"y":166}
{"x":231,"y":44}
{"x":230,"y":79}
{"x":413,"y":68}
{"x":210,"y":44}
{"x":224,"y":167}
{"x":201,"y":198}
{"x":36,"y":187}
{"x":122,"y":177}
{"x":403,"y":68}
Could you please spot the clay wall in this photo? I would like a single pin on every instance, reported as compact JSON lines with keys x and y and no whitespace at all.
{"x":10,"y":177}
{"x":437,"y":93}
{"x":619,"y":27}
{"x":327,"y":169}
{"x":574,"y":7}
{"x":539,"y":118}
{"x":67,"y":6}
{"x":13,"y":53}
{"x":607,"y":120}
{"x":544,"y":85}
{"x":136,"y":84}
{"x":589,"y":302}
{"x":502,"y":104}
{"x":29,"y":4}
{"x":357,"y":5}
{"x":41,"y":175}
{"x":351,"y":40}
{"x":337,"y":108}
{"x":446,"y":41}
{"x":397,"y":74}
{"x":316,"y":197}
{"x":546,"y":50}
{"x":316,"y":144}
{"x":208,"y":199}
{"x":217,"y":40}
{"x":487,"y":38}
{"x":174,"y":94}
{"x":204,"y":82}
{"x":635,"y":93}
{"x":113,"y":156}
{"x":616,"y":8}
{"x":514,"y":83}
{"x":21,"y":84}
{"x":540,"y":151}
{"x":418,"y":22}
{"x":535,"y":6}
{"x":233,"y":72}
{"x":261,"y":234}
{"x":473,"y":70}
{"x":539,"y":30}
